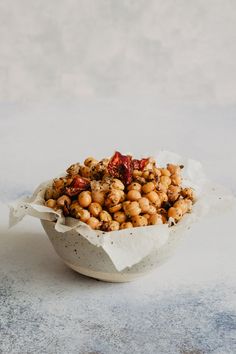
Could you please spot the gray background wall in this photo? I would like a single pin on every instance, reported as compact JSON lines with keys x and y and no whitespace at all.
{"x":181,"y":50}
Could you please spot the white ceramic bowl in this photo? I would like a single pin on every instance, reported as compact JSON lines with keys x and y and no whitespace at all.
{"x":87,"y":259}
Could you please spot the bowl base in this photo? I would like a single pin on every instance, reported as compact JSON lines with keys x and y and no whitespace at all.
{"x":107,"y":277}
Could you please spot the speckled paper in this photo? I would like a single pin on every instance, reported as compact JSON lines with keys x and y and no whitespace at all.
{"x":127,"y":248}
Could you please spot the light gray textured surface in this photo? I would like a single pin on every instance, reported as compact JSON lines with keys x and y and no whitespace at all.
{"x":186,"y":306}
{"x":178,"y":50}
{"x":144,"y":56}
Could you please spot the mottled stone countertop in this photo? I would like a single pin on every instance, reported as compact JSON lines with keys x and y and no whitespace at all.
{"x":186,"y":306}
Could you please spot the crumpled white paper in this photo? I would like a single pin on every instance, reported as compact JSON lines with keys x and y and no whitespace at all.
{"x":129,"y":246}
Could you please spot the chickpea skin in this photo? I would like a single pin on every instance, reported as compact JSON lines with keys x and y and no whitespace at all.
{"x":51,"y":203}
{"x":155,"y":219}
{"x":105,"y":216}
{"x":139,"y":220}
{"x":126,"y":225}
{"x":133,"y":195}
{"x":144,"y":204}
{"x":85,"y":199}
{"x":135,"y":186}
{"x":64,"y":199}
{"x":148,"y":187}
{"x":175,"y":213}
{"x":95,"y":209}
{"x":98,"y":197}
{"x":119,"y":216}
{"x":93,"y":222}
{"x":132,"y":209}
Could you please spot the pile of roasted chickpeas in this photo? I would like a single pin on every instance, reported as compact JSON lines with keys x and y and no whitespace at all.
{"x":120,"y":193}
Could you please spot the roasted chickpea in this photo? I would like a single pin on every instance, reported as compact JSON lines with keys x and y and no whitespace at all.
{"x":165,"y":172}
{"x":83,"y":215}
{"x":95,"y":209}
{"x":85,"y":199}
{"x":117,"y":184}
{"x":85,"y":171}
{"x":111,"y":226}
{"x":151,"y":177}
{"x":134,"y":186}
{"x":163,"y":196}
{"x":93,"y":222}
{"x":152,"y":210}
{"x":119,"y":216}
{"x":137,"y":173}
{"x":113,"y":198}
{"x":148,"y":187}
{"x":58,"y":183}
{"x":145,"y":174}
{"x":173,"y":169}
{"x":188,"y":193}
{"x":182,"y":205}
{"x":132,"y":209}
{"x":90,"y":161}
{"x":144,"y":204}
{"x":122,"y":195}
{"x":175,"y":213}
{"x":133,"y":195}
{"x":162,"y":187}
{"x":63,"y":200}
{"x":105,"y":216}
{"x":165,"y":180}
{"x":140,"y":180}
{"x":176,"y":179}
{"x":48,"y":193}
{"x":51,"y":203}
{"x":139,"y":220}
{"x":98,"y":197}
{"x":73,"y":169}
{"x":173,"y":193}
{"x":147,"y":216}
{"x":115,"y":208}
{"x":126,"y":225}
{"x":157,"y":172}
{"x":75,"y":208}
{"x":155,"y":219}
{"x":154,"y":198}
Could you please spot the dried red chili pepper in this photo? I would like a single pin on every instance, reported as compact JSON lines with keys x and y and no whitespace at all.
{"x":139,"y":164}
{"x":77,"y":185}
{"x":120,"y":166}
